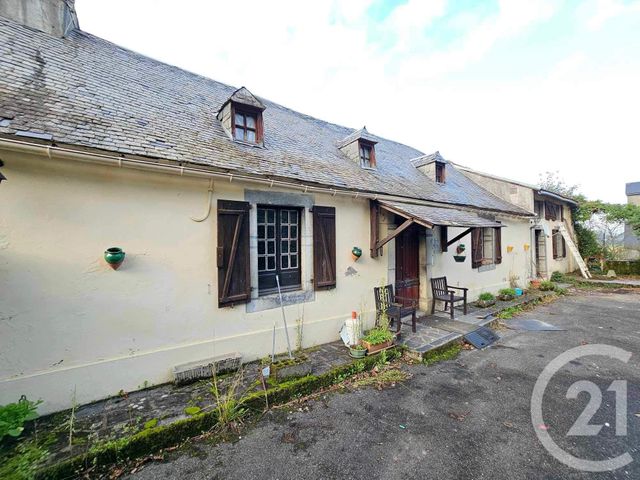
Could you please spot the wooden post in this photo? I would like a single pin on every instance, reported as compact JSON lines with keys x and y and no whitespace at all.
{"x":374,"y":219}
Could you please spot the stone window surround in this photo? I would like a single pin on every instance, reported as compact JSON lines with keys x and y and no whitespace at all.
{"x":306,"y":294}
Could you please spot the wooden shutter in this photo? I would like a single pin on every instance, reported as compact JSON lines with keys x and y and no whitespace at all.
{"x":564,"y":248}
{"x":554,"y":242}
{"x":498,"y":244}
{"x":234,"y":276}
{"x":476,"y":247}
{"x":444,"y":234}
{"x":551,"y":211}
{"x":324,"y":247}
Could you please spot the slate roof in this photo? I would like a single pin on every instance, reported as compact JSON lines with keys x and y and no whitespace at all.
{"x":85,"y":91}
{"x":450,"y":217}
{"x":632,"y":189}
{"x":427,"y":159}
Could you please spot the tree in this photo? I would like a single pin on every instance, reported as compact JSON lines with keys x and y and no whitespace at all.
{"x":552,"y":182}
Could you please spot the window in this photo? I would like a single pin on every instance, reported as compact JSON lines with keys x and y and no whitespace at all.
{"x":486,"y":246}
{"x":367,"y":155}
{"x":278,"y":248}
{"x":440,"y":172}
{"x":559,"y":246}
{"x":247,"y":125}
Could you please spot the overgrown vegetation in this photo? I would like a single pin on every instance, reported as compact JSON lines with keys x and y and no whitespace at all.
{"x":229,"y":407}
{"x":13,"y":416}
{"x":507,"y":294}
{"x":547,"y":286}
{"x":557,"y":276}
{"x":447,"y":352}
{"x":486,"y":297}
{"x":22,"y":462}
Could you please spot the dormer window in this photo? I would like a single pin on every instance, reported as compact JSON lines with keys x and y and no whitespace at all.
{"x":245,"y":125}
{"x":440,"y":172}
{"x":367,"y":155}
{"x":241,"y":117}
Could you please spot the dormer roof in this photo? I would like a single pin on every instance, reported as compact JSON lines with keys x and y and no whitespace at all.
{"x":243,"y":96}
{"x":362,"y":134}
{"x":427,"y":159}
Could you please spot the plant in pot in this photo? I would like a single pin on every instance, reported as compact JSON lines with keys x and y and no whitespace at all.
{"x":507,"y":294}
{"x":357,"y":350}
{"x":377,"y":339}
{"x":459,"y":257}
{"x":486,"y":299}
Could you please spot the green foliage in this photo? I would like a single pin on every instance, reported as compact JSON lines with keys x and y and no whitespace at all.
{"x":547,"y":286}
{"x":510,"y":312}
{"x":151,"y":423}
{"x":357,"y":347}
{"x":228,"y":408}
{"x":192,"y":410}
{"x":507,"y":294}
{"x":557,"y":276}
{"x":378,"y":335}
{"x":446,"y":352}
{"x":587,"y":241}
{"x":14,"y":415}
{"x":22,"y":463}
{"x":486,"y":297}
{"x":561,"y":291}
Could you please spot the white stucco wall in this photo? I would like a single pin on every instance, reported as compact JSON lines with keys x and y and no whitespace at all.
{"x":68,"y":321}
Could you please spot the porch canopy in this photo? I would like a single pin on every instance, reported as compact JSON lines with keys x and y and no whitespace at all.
{"x":429,"y":216}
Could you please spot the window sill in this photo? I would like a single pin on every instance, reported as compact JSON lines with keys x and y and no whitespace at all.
{"x":486,"y":268}
{"x":270,"y":301}
{"x":248,"y":144}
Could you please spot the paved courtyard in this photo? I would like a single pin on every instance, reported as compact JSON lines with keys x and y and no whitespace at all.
{"x":463,"y":418}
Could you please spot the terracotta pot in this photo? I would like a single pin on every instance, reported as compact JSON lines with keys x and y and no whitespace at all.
{"x":535,"y":283}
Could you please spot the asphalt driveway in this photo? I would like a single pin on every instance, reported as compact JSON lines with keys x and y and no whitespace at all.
{"x":466,"y":418}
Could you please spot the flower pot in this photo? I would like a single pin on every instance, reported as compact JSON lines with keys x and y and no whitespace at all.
{"x":459,"y":258}
{"x":357,"y":353}
{"x":535,"y":283}
{"x":377,"y":347}
{"x":356,"y":253}
{"x":114,"y":256}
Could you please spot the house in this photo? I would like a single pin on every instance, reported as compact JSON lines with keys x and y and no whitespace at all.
{"x":218,"y":198}
{"x":552,"y":213}
{"x":631,"y":241}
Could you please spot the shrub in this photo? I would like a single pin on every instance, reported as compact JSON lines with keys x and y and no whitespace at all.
{"x":378,"y":335}
{"x":14,"y":415}
{"x":557,"y":276}
{"x":507,"y":294}
{"x":547,"y":286}
{"x":486,"y":297}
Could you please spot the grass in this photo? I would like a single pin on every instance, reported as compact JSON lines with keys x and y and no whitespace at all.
{"x":446,"y":352}
{"x":385,"y":377}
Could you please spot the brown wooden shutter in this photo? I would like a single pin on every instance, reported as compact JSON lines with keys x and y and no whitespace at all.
{"x":551,"y":211}
{"x":234,"y":276}
{"x":476,"y":247}
{"x":564,"y":248}
{"x":444,"y":235}
{"x":324,"y":247}
{"x":498,"y":244}
{"x":554,"y":242}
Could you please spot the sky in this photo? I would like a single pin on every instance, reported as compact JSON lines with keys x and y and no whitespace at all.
{"x":510,"y":87}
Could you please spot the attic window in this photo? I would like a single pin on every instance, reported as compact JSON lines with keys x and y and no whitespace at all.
{"x":440,"y":172}
{"x":247,"y":124}
{"x":367,"y":155}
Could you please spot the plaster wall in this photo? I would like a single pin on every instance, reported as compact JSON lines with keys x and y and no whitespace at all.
{"x":68,"y":321}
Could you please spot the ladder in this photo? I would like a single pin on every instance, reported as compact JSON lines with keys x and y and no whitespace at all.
{"x":574,"y":250}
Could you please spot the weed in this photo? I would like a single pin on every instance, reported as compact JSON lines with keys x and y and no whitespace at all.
{"x":228,"y":408}
{"x":385,"y":377}
{"x":23,"y":461}
{"x":14,"y":415}
{"x":547,"y":286}
{"x":557,"y":276}
{"x":486,"y":297}
{"x":446,"y":352}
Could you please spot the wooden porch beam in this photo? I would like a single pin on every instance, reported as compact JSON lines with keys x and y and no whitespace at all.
{"x":458,"y":237}
{"x":407,"y":223}
{"x":374,"y":219}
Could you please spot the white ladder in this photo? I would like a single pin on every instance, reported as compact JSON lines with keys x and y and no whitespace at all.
{"x":574,"y":250}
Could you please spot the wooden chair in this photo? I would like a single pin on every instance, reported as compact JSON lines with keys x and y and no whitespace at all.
{"x":387,"y":302}
{"x":441,"y":291}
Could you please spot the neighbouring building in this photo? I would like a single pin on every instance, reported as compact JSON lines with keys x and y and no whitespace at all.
{"x":216,"y":196}
{"x":631,"y":241}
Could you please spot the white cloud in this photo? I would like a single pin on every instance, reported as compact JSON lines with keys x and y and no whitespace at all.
{"x":600,"y":11}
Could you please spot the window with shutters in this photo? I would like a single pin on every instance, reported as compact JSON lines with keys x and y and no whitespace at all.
{"x":558,"y":243}
{"x":278,"y":249}
{"x":486,"y":246}
{"x":440,"y":172}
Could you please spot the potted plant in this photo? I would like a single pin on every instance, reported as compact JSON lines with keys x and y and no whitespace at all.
{"x":356,"y":253}
{"x":485,"y":300}
{"x":535,"y":283}
{"x":459,"y":257}
{"x":507,"y":294}
{"x":377,"y":339}
{"x":357,"y":351}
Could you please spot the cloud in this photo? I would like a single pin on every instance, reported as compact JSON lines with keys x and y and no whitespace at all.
{"x":600,"y":11}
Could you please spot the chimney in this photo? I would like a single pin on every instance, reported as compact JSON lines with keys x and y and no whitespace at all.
{"x":55,"y":17}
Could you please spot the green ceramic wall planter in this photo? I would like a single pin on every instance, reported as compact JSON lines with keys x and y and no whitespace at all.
{"x":356,"y":253}
{"x":460,"y":253}
{"x":114,"y":256}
